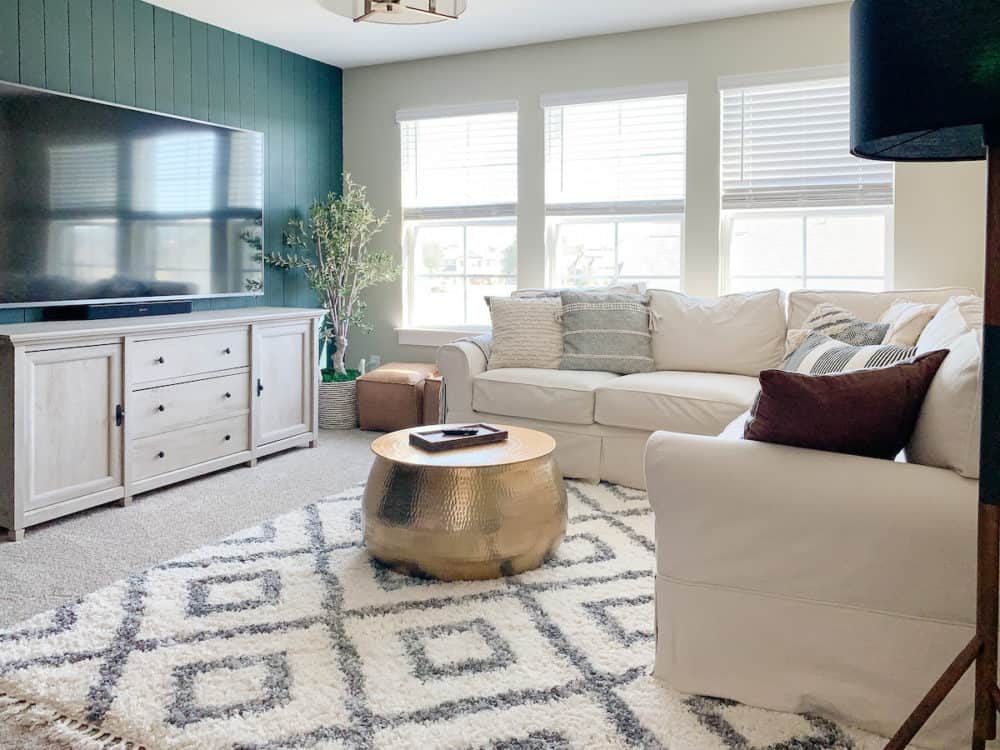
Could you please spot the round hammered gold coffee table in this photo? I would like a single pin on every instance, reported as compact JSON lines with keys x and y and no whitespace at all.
{"x":465,"y":514}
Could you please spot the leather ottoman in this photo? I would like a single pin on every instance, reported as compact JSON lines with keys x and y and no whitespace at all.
{"x":392,"y":397}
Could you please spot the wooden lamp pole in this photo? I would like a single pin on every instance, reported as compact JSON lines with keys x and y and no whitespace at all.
{"x":982,"y":649}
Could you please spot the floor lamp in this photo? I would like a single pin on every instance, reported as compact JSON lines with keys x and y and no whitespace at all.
{"x":925,"y":86}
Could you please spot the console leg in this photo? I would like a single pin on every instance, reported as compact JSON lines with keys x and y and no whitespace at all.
{"x":124,"y":502}
{"x":312,"y":443}
{"x":252,"y":462}
{"x":15,"y":535}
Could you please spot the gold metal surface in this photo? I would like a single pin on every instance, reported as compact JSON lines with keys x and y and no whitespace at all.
{"x":467,"y":517}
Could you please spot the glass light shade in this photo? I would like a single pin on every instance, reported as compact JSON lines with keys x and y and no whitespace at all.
{"x":408,"y":11}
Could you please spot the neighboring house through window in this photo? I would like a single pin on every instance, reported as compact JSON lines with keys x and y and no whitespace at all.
{"x":798,"y":210}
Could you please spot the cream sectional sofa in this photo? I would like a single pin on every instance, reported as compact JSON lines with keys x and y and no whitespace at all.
{"x":789,"y":579}
{"x":708,"y":353}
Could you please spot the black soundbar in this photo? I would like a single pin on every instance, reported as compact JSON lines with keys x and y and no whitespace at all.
{"x":118,"y":310}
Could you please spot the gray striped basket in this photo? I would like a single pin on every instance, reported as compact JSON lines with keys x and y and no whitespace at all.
{"x":338,"y":405}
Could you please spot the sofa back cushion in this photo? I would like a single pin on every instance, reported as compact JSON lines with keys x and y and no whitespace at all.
{"x":947,"y":431}
{"x":740,"y":334}
{"x":866,"y":305}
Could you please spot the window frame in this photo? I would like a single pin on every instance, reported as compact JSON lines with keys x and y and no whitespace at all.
{"x":411,"y":333}
{"x":410,"y":228}
{"x":614,"y":212}
{"x":728,"y":217}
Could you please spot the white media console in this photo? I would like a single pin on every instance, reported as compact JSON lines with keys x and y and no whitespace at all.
{"x":93,"y":412}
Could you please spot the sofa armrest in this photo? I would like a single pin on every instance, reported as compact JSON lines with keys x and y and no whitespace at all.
{"x":822,"y":526}
{"x":459,"y":362}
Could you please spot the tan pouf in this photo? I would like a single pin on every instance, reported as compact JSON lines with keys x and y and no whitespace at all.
{"x":432,"y":399}
{"x":392,"y":397}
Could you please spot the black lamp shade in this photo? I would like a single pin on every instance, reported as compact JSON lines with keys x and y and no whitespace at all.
{"x":925,"y":78}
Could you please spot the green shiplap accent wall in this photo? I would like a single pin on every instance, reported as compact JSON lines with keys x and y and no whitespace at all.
{"x":130,"y":52}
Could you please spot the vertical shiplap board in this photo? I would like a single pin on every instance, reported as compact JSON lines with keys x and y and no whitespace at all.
{"x":124,"y":33}
{"x":131,"y":53}
{"x":274,"y":282}
{"x":199,"y":70}
{"x":163,"y":60}
{"x":145,"y":65}
{"x":182,"y":65}
{"x":231,"y":86}
{"x":81,"y":48}
{"x":31,"y":41}
{"x":9,"y":29}
{"x":57,"y":45}
{"x":103,"y":34}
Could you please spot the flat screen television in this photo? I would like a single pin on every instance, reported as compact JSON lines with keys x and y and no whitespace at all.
{"x":103,"y":203}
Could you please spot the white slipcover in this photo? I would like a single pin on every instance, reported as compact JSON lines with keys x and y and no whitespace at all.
{"x":701,"y":403}
{"x":551,"y":395}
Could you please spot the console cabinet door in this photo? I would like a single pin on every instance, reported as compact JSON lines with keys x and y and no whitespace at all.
{"x":284,"y":367}
{"x":74,"y":444}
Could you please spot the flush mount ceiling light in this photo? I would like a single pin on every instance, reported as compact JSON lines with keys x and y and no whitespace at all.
{"x":407,"y":11}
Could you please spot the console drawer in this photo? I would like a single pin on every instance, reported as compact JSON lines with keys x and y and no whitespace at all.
{"x":163,"y":359}
{"x":157,"y":410}
{"x":179,"y":449}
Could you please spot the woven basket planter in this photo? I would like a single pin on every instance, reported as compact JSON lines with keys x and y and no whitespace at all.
{"x":338,"y":405}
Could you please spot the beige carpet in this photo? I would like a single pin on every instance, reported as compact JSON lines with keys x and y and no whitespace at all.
{"x":65,"y":559}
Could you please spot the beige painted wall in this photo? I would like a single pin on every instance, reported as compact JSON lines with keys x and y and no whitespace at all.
{"x":940,"y":208}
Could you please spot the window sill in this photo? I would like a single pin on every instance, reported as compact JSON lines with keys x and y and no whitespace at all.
{"x":435,"y":336}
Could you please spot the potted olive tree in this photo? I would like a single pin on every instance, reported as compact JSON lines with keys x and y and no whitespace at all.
{"x":332,"y":246}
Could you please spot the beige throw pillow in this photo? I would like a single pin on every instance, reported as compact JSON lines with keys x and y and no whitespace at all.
{"x":526,"y":333}
{"x":907,"y":321}
{"x":947,"y":431}
{"x":738,"y":333}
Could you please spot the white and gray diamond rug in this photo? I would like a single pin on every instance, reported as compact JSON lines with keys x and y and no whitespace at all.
{"x":289,"y":636}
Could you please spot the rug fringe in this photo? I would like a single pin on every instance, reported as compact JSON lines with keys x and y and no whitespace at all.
{"x":58,"y":729}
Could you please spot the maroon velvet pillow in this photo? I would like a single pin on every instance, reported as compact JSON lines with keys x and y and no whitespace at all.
{"x":865,"y":412}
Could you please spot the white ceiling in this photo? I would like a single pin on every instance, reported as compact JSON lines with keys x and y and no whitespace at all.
{"x":309,"y":28}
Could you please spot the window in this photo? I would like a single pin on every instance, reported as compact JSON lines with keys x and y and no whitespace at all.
{"x":459,"y":214}
{"x":614,"y":186}
{"x":799,"y":211}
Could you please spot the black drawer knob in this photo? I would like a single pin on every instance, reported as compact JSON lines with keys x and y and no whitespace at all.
{"x":229,"y":437}
{"x":161,"y":407}
{"x":159,"y":360}
{"x":161,"y":454}
{"x":227,"y":350}
{"x":228,"y":394}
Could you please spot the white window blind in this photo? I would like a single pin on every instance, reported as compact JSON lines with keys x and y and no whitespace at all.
{"x":623,"y":156}
{"x":461,"y":166}
{"x":787,"y":145}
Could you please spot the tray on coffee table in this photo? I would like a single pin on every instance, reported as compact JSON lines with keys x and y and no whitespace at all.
{"x":437,"y":440}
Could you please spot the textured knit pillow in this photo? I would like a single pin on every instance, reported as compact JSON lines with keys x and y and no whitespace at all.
{"x":526,"y":333}
{"x":907,"y":321}
{"x":820,"y":355}
{"x":865,"y":413}
{"x":606,"y":332}
{"x":843,"y":325}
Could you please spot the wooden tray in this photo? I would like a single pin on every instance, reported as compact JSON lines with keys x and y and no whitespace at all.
{"x":436,"y":440}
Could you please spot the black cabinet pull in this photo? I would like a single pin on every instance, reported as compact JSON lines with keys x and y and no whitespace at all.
{"x":229,"y":437}
{"x":227,"y":350}
{"x":260,"y":387}
{"x":161,"y":454}
{"x":161,"y":407}
{"x":228,"y":394}
{"x":159,"y":360}
{"x":119,"y":415}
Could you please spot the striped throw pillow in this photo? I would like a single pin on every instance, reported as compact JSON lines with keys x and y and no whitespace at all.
{"x":821,"y":355}
{"x":606,"y":332}
{"x":843,"y":325}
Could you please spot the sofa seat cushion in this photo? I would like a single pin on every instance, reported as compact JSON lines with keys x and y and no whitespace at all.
{"x":552,"y":395}
{"x":701,"y":403}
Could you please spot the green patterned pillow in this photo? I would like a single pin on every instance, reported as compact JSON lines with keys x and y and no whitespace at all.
{"x":606,"y":332}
